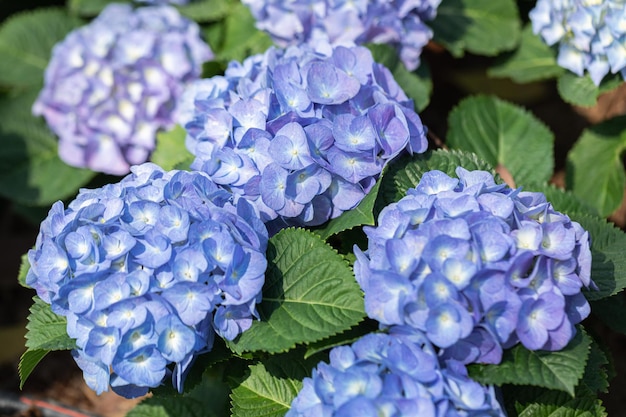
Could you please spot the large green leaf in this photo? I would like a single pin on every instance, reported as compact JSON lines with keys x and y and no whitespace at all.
{"x":484,"y":27}
{"x":595,"y":171}
{"x":406,"y":172}
{"x":269,"y":387}
{"x":531,"y":402}
{"x":559,"y":370}
{"x":26,"y":41}
{"x":608,"y":263}
{"x":310,"y":293}
{"x":581,"y":91}
{"x":30,"y":169}
{"x":503,"y":134}
{"x":532,"y":61}
{"x":171,"y":152}
{"x":90,"y":8}
{"x":46,"y":332}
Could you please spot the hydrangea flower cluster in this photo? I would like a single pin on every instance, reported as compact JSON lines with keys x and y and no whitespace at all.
{"x":304,"y":135}
{"x":396,"y":22}
{"x":146,"y":271}
{"x":477,"y":267}
{"x":113,"y":83}
{"x":591,"y":34}
{"x":392,"y":375}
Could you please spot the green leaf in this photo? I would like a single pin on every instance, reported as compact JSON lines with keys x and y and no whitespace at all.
{"x":28,"y":362}
{"x":170,"y":406}
{"x":407,"y":171}
{"x":581,"y":91}
{"x":47,"y":330}
{"x":598,"y":152}
{"x":24,"y":267}
{"x":608,"y":264}
{"x":240,"y":38}
{"x":270,"y":387}
{"x":26,"y":41}
{"x":363,"y":214}
{"x":559,"y":370}
{"x":558,"y":404}
{"x":171,"y":152}
{"x":417,"y":84}
{"x":596,"y":379}
{"x":532,"y":61}
{"x":483,"y":27}
{"x":505,"y":134}
{"x":90,"y":8}
{"x":30,"y":169}
{"x":310,"y":293}
{"x":205,"y":10}
{"x":350,"y":336}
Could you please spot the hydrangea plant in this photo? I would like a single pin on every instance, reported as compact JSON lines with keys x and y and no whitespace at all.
{"x":302,"y":134}
{"x":476,"y":266}
{"x":397,"y":23}
{"x":146,"y":271}
{"x":590,"y":34}
{"x":112,"y":84}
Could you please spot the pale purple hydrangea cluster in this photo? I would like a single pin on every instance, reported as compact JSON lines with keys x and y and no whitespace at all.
{"x":112,"y":84}
{"x":146,"y":271}
{"x":477,"y":267}
{"x":591,"y":34}
{"x":303,"y":135}
{"x":399,"y":23}
{"x":392,"y":375}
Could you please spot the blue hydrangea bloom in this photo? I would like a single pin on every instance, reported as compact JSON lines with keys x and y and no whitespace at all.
{"x":477,"y":267}
{"x":146,"y":271}
{"x":397,"y":374}
{"x":112,"y":84}
{"x":591,"y":34}
{"x":397,"y":22}
{"x":302,"y":134}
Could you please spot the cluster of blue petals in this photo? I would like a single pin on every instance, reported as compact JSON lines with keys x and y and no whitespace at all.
{"x":112,"y":84}
{"x":591,"y":34}
{"x":147,"y":271}
{"x":477,"y":267}
{"x":302,"y":134}
{"x":399,"y":23}
{"x":392,"y":375}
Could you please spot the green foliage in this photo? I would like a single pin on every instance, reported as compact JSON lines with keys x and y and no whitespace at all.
{"x":407,"y":171}
{"x":595,"y":171}
{"x":608,"y":264}
{"x":310,"y":293}
{"x":236,"y":38}
{"x":26,"y":41}
{"x":541,"y":403}
{"x":484,"y":27}
{"x":206,"y":10}
{"x":553,"y":370}
{"x":171,"y":152}
{"x":581,"y":91}
{"x":533,"y":60}
{"x":24,"y":267}
{"x":611,"y":311}
{"x":46,"y":332}
{"x":90,"y":8}
{"x":28,"y":362}
{"x":268,"y":388}
{"x":30,"y":169}
{"x":596,"y":379}
{"x":500,"y":133}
